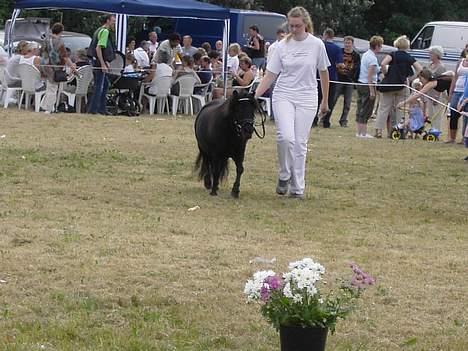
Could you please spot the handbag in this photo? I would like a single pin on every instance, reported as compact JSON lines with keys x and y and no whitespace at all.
{"x":393,"y":76}
{"x":60,"y":76}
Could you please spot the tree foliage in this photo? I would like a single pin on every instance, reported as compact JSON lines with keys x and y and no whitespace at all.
{"x":361,"y":18}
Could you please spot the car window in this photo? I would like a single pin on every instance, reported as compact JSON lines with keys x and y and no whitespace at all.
{"x":75,"y":43}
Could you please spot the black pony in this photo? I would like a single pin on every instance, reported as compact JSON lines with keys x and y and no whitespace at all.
{"x":222,"y":129}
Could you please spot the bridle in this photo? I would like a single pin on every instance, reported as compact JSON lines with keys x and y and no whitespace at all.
{"x":239,"y":125}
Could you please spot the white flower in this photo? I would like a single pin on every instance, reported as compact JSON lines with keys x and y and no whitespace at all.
{"x":253,"y":286}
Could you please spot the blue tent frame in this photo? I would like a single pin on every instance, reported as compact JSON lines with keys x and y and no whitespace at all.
{"x":147,"y":8}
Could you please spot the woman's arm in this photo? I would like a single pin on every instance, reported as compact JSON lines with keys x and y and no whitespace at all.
{"x":325,"y":85}
{"x":370,"y":76}
{"x":417,"y":67}
{"x":265,"y":83}
{"x":383,"y":65}
{"x":425,"y":89}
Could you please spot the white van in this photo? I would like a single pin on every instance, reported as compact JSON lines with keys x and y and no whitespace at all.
{"x":452,"y":36}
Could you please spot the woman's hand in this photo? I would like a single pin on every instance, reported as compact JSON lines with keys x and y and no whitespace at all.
{"x":323,"y":110}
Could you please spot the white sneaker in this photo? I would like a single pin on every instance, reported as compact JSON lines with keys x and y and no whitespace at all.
{"x":358,"y":135}
{"x":368,"y":136}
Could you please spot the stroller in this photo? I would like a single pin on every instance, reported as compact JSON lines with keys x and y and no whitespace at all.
{"x":416,"y":126}
{"x":124,"y":89}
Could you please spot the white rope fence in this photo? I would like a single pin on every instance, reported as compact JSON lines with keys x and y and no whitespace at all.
{"x":447,"y":106}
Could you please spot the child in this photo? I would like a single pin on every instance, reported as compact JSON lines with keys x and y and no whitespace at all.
{"x":130,"y":63}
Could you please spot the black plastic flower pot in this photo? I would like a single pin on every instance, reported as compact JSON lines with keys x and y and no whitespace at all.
{"x":303,"y":339}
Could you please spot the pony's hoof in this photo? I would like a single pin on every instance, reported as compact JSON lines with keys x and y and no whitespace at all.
{"x":235,"y":194}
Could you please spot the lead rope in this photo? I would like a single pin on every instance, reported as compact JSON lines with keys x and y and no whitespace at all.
{"x":262,"y":121}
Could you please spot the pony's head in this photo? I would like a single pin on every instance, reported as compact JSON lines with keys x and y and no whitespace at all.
{"x":242,"y":108}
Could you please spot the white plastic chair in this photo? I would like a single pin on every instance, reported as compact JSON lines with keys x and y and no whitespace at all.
{"x":6,"y":92}
{"x":75,"y":94}
{"x":186,"y":84}
{"x":29,"y":75}
{"x":163,"y":89}
{"x":203,"y":95}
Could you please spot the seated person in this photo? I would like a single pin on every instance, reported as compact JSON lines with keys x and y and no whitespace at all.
{"x":216,"y":64}
{"x":11,"y":70}
{"x":159,"y":70}
{"x":197,"y":60}
{"x":130,"y":63}
{"x":186,"y":69}
{"x":31,"y":57}
{"x":141,"y":55}
{"x":81,"y":58}
{"x":243,"y":78}
{"x":205,"y":72}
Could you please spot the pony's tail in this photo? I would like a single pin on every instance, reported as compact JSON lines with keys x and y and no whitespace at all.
{"x":202,"y":167}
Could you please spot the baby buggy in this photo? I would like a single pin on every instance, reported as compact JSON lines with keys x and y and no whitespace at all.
{"x":124,"y":89}
{"x":123,"y":94}
{"x":416,"y":125}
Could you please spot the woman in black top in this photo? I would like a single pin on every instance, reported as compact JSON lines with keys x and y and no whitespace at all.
{"x":400,"y":67}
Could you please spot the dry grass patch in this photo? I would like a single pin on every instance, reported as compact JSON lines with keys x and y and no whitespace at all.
{"x":99,"y":252}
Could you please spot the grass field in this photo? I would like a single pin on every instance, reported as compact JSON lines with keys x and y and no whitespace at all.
{"x":98,"y":250}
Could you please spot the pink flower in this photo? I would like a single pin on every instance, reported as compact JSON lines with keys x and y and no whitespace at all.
{"x":270,"y":284}
{"x":360,"y":278}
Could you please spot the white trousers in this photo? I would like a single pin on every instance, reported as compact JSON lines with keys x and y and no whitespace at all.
{"x":293,"y":123}
{"x":50,"y":97}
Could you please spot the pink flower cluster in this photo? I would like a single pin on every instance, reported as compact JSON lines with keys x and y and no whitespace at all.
{"x":360,"y":279}
{"x":270,"y":284}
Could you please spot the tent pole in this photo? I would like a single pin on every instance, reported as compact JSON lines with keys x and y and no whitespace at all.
{"x":9,"y":42}
{"x":121,"y":31}
{"x":227,"y":24}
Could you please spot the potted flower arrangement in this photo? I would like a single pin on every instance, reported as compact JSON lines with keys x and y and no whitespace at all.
{"x":296,"y":306}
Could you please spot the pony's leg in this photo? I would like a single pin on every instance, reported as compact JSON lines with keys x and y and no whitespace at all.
{"x":207,"y":179}
{"x":239,"y":170}
{"x":215,"y":169}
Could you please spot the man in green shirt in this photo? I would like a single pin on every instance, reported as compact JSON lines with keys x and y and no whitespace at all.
{"x":103,"y":52}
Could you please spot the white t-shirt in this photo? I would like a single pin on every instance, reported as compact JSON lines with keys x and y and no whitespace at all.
{"x":298,"y":62}
{"x":367,"y":61}
{"x":153,"y":47}
{"x":272,"y":48}
{"x":233,"y":64}
{"x":141,"y":57}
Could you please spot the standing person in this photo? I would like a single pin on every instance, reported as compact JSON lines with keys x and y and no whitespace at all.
{"x":102,"y":50}
{"x":187,"y":48}
{"x":437,"y":68}
{"x":347,"y":73}
{"x":402,"y":64}
{"x":335,"y":55}
{"x":256,"y":47}
{"x":368,"y":74}
{"x":455,"y":94}
{"x":153,"y":43}
{"x":56,"y":58}
{"x":168,"y":46}
{"x":295,"y":62}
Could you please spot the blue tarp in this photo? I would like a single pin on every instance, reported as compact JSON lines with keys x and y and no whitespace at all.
{"x":162,"y":8}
